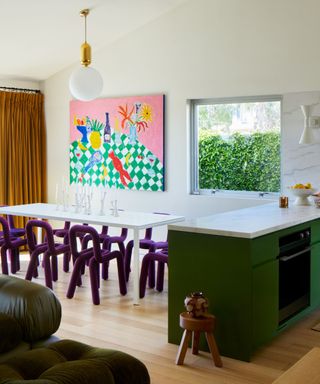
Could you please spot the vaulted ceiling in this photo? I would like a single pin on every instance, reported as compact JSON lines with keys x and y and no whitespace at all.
{"x":42,"y":37}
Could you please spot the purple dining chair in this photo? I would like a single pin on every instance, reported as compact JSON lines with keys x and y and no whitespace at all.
{"x":64,"y":234}
{"x":162,"y":258}
{"x":50,"y":251}
{"x":151,"y":246}
{"x":103,"y":235}
{"x":11,"y":244}
{"x":93,"y":256}
{"x":14,"y":232}
{"x":107,"y":241}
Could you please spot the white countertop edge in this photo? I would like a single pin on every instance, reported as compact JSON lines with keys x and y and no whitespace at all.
{"x":245,"y":235}
{"x":204,"y":226}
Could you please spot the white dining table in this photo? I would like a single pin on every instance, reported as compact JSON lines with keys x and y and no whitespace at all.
{"x":135,"y":221}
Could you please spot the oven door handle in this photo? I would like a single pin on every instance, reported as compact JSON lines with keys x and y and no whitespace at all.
{"x":286,"y":258}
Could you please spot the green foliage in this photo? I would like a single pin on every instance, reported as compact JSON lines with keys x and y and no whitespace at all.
{"x":241,"y":163}
{"x":96,"y":125}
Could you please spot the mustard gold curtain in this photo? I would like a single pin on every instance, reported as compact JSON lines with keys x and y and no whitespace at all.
{"x":22,"y":149}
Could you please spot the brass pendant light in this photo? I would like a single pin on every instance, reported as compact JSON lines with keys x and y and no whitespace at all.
{"x":85,"y":82}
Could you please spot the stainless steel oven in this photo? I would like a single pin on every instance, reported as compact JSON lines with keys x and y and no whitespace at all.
{"x":294,"y":273}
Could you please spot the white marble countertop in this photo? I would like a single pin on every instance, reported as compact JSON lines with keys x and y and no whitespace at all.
{"x":249,"y":222}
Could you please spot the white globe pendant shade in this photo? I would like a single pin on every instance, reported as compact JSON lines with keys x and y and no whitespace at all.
{"x":85,"y":83}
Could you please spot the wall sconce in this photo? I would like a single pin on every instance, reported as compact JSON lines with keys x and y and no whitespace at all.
{"x":85,"y":82}
{"x":310,"y":123}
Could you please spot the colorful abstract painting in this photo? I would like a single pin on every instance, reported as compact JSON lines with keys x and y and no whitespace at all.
{"x":118,"y":142}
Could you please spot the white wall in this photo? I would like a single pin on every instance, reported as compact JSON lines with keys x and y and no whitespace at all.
{"x":14,"y":83}
{"x":205,"y":48}
{"x":300,"y":163}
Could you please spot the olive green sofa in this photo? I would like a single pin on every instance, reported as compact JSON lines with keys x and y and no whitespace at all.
{"x":29,"y":352}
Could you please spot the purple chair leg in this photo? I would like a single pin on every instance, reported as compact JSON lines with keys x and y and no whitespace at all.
{"x":121,"y":274}
{"x":17,"y":259}
{"x":105,"y":270}
{"x":74,"y":260}
{"x":94,"y":272}
{"x":35,"y":272}
{"x":151,"y":274}
{"x":66,"y":255}
{"x":54,"y":267}
{"x":4,"y":261}
{"x":14,"y":260}
{"x":127,"y":261}
{"x":75,"y":279}
{"x":160,"y":276}
{"x":66,"y":261}
{"x":144,"y":275}
{"x":149,"y":258}
{"x":32,"y":267}
{"x":47,"y":270}
{"x":122,"y":249}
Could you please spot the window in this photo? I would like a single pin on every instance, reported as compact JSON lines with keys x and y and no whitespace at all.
{"x":235,"y":145}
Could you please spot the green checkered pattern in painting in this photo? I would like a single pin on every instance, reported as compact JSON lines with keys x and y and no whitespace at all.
{"x":145,"y":169}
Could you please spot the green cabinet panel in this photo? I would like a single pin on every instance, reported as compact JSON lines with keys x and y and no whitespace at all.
{"x":264,"y":248}
{"x":240,"y":277}
{"x":265,"y":302}
{"x":222,"y":270}
{"x":315,"y":275}
{"x":315,"y":233}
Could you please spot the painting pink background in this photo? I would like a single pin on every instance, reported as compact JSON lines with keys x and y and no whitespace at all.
{"x":152,"y":138}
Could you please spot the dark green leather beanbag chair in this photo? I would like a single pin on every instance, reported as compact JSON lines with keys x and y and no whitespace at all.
{"x":35,"y":307}
{"x":10,"y":333}
{"x":71,"y":362}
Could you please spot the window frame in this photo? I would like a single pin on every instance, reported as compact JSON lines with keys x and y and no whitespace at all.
{"x":194,"y":144}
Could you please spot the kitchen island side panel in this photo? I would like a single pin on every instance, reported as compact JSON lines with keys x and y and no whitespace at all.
{"x":221,"y":268}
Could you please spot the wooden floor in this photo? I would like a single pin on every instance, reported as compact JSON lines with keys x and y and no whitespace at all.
{"x":142,"y":331}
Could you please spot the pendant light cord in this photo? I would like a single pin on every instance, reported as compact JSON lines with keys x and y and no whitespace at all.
{"x":85,"y":28}
{"x":84,"y":13}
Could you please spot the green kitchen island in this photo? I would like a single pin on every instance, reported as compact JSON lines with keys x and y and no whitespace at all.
{"x":233,"y":258}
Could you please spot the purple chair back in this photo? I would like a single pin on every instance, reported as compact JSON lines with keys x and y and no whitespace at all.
{"x":32,"y":242}
{"x":13,"y":230}
{"x":104,"y":230}
{"x":5,"y":232}
{"x":11,"y":221}
{"x":148,"y":234}
{"x":79,"y":231}
{"x":8,"y":241}
{"x":62,"y":232}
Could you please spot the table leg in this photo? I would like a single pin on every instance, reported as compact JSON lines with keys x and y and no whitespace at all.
{"x":136,"y":266}
{"x":39,"y":234}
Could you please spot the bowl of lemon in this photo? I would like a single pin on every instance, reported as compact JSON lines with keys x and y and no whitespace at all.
{"x":302,"y":193}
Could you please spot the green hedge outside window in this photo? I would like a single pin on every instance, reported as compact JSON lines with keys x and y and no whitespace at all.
{"x":240,"y":163}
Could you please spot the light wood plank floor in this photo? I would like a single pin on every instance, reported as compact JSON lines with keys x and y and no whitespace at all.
{"x":142,"y":332}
